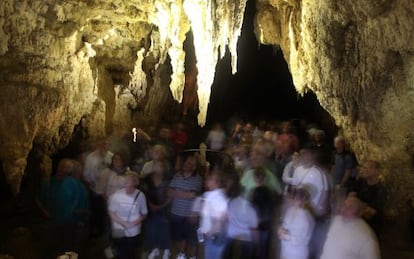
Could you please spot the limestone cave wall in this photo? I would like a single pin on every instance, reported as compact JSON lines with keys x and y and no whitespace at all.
{"x":357,"y":56}
{"x":110,"y":63}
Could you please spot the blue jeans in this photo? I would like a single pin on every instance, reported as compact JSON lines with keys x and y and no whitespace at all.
{"x":213,"y":248}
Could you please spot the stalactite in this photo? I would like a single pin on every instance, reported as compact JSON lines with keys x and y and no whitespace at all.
{"x":215,"y":25}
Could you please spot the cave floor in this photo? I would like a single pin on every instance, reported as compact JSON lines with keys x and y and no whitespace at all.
{"x":25,"y":234}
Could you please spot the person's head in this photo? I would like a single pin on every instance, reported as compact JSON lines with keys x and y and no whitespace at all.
{"x":102,"y":146}
{"x":214,"y":180}
{"x":307,"y":157}
{"x":258,"y":155}
{"x":77,"y":169}
{"x":339,"y":144}
{"x":117,"y":163}
{"x":165,"y":132}
{"x":159,"y":152}
{"x":370,"y":170}
{"x":64,"y":168}
{"x":259,"y":176}
{"x":248,"y":128}
{"x":190,"y":165}
{"x":351,"y":208}
{"x":232,"y":185}
{"x":217,"y":126}
{"x":131,"y":181}
{"x":270,"y":136}
{"x":319,"y":136}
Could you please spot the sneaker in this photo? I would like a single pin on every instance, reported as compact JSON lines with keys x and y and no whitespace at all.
{"x":181,"y":256}
{"x":154,"y":253}
{"x":166,"y":254}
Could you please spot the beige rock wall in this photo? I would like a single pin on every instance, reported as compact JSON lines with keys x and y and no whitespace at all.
{"x":357,"y":56}
{"x":60,"y":61}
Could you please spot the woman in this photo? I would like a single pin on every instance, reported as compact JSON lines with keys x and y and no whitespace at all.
{"x":157,"y":225}
{"x":242,"y":222}
{"x":127,"y":209}
{"x":112,"y":179}
{"x":297,"y":228}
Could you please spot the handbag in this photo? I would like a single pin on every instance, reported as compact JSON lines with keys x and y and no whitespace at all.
{"x":120,"y":233}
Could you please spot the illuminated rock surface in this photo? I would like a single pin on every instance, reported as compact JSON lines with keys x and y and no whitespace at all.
{"x":61,"y":60}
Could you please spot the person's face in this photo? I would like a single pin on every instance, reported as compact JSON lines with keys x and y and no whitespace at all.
{"x":248,"y":128}
{"x":190,"y":164}
{"x":130,"y":182}
{"x":256,"y":158}
{"x":165,"y":133}
{"x":306,"y":158}
{"x":339,"y":145}
{"x":211,"y":182}
{"x":64,"y":168}
{"x":157,"y":154}
{"x":117,"y":161}
{"x":349,"y":208}
{"x":368,"y":170}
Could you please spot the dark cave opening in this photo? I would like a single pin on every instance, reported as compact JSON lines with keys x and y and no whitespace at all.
{"x":262,"y":88}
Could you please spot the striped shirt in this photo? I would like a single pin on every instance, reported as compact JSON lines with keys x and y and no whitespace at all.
{"x":180,"y":206}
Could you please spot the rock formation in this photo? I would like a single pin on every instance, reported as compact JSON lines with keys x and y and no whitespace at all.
{"x":65,"y":60}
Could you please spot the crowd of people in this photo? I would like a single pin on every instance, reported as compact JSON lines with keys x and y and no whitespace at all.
{"x":254,"y":190}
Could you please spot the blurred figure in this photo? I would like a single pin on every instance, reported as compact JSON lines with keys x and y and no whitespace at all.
{"x":242,"y":222}
{"x":183,"y":189}
{"x":127,"y":209}
{"x":157,"y":226}
{"x":349,"y":236}
{"x":158,"y":155}
{"x":112,"y":178}
{"x":241,"y":158}
{"x":95,"y":162}
{"x":214,"y":215}
{"x":287,"y":142}
{"x":370,"y":189}
{"x":343,"y":163}
{"x":179,"y":137}
{"x":297,"y":227}
{"x":264,"y":203}
{"x":61,"y":199}
{"x":216,"y":138}
{"x":314,"y":180}
{"x":257,"y":160}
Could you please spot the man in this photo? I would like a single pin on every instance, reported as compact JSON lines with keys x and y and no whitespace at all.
{"x":371,"y":191}
{"x":349,"y":236}
{"x":342,"y":163}
{"x":258,"y":160}
{"x":95,"y":162}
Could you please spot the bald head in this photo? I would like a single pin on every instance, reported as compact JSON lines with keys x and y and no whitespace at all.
{"x":352,"y":208}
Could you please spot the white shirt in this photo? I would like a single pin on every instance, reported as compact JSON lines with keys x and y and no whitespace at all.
{"x":214,"y":207}
{"x":242,"y":219}
{"x":109,"y":182}
{"x":122,"y":204}
{"x":352,"y":239}
{"x":316,"y":183}
{"x":300,"y":224}
{"x":95,"y":162}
